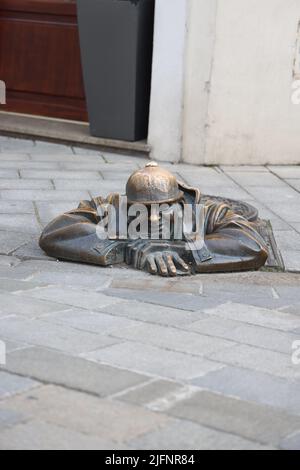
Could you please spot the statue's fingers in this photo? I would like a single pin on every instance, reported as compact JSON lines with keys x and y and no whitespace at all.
{"x":152,"y":264}
{"x":162,"y":267}
{"x":180,"y":263}
{"x":170,"y":264}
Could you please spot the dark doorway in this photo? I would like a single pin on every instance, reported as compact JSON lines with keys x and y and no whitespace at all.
{"x":40,"y":58}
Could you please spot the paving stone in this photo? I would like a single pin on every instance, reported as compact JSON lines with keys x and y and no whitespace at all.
{"x":97,"y":164}
{"x":31,"y":250}
{"x":153,"y":313}
{"x":245,"y":334}
{"x":24,"y":223}
{"x":17,"y":157}
{"x":13,"y":285}
{"x":12,"y":346}
{"x":172,"y":339}
{"x":291,"y":260}
{"x":50,"y":157}
{"x":152,"y":360}
{"x":285,"y":171}
{"x":288,"y":240}
{"x":38,"y":435}
{"x":12,"y":384}
{"x":253,"y":386}
{"x":261,"y":360}
{"x":72,"y":372}
{"x":295,"y":183}
{"x":275,"y":199}
{"x":73,"y":297}
{"x":246,"y":168}
{"x":291,"y":442}
{"x":191,"y":303}
{"x":14,"y":146}
{"x":11,"y":207}
{"x":232,"y":192}
{"x":43,"y":195}
{"x":10,"y":241}
{"x":29,"y":267}
{"x":12,"y":304}
{"x":48,"y":211}
{"x":255,"y":316}
{"x":86,"y":151}
{"x":25,"y":184}
{"x":9,"y":261}
{"x":29,"y":165}
{"x":287,"y":210}
{"x":59,"y":337}
{"x":50,"y":147}
{"x":104,"y":418}
{"x":123,"y":158}
{"x":263,"y":424}
{"x":185,"y":435}
{"x":255,"y":178}
{"x":97,"y":187}
{"x":99,"y":281}
{"x":13,"y":174}
{"x":94,"y":322}
{"x":150,"y":392}
{"x":60,"y":174}
{"x":9,"y":418}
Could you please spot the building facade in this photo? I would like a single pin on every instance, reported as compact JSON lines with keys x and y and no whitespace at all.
{"x":225,"y":82}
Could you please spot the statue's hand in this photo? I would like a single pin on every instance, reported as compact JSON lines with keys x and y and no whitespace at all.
{"x":157,"y":257}
{"x":165,"y":263}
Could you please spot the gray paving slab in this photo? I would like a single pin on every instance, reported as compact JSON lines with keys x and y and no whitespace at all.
{"x":43,"y":195}
{"x":261,"y":360}
{"x":254,"y":386}
{"x":243,"y":333}
{"x":12,"y":304}
{"x":10,"y":241}
{"x":59,"y":174}
{"x":26,"y":223}
{"x":39,"y":435}
{"x":155,"y":361}
{"x":16,"y":207}
{"x":104,"y":418}
{"x":12,"y":384}
{"x":185,"y":435}
{"x":172,"y":339}
{"x":266,"y":425}
{"x":58,"y":368}
{"x":153,"y":314}
{"x":50,"y":335}
{"x":73,"y":297}
{"x":25,"y":184}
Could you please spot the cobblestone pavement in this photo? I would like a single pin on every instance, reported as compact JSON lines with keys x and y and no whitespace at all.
{"x":111,"y":358}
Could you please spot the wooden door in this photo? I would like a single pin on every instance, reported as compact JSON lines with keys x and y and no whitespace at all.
{"x":40,"y":58}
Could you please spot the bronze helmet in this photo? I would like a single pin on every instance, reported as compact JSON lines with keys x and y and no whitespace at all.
{"x":152,"y":185}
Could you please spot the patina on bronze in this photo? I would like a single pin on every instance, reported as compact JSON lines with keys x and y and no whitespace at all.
{"x":231,"y":240}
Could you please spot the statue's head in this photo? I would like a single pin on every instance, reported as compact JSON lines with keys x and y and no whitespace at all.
{"x":152,"y":185}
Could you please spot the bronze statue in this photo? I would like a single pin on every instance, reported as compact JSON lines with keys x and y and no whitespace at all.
{"x":215,"y":237}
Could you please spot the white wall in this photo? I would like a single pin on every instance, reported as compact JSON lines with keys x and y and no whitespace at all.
{"x":168,"y":69}
{"x":237,"y":59}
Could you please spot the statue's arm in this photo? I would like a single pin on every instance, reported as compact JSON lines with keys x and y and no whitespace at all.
{"x":73,"y":236}
{"x":233,"y":241}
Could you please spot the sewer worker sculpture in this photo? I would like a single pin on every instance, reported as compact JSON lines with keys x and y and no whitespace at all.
{"x":216,"y":240}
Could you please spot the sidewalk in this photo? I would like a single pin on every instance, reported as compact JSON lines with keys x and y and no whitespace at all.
{"x":116,"y":359}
